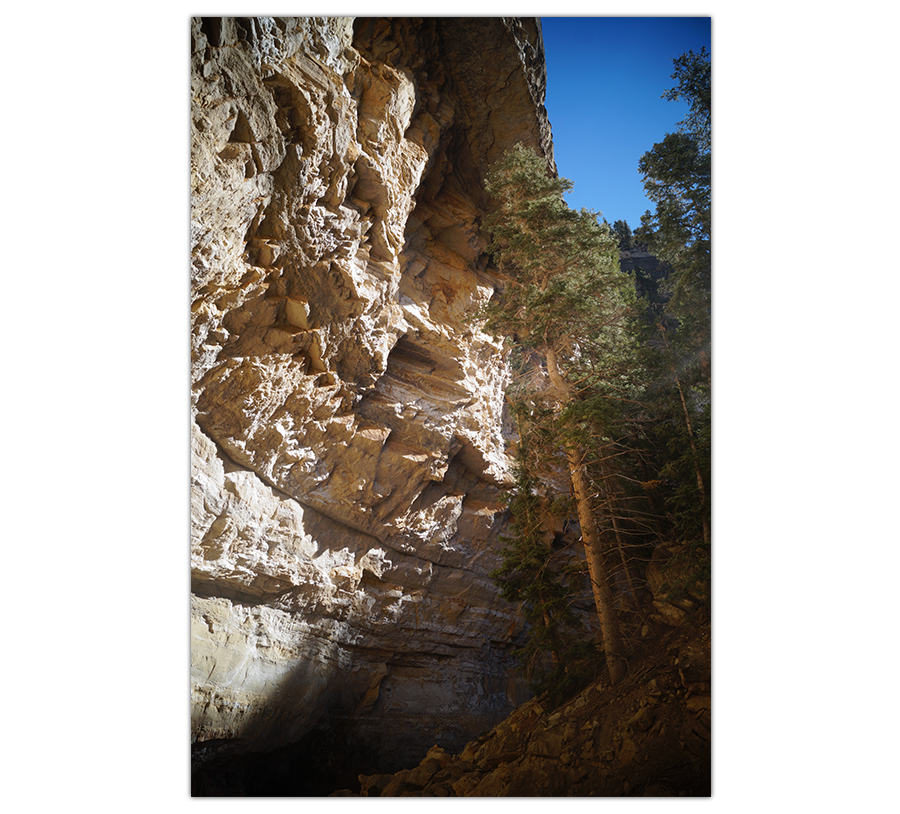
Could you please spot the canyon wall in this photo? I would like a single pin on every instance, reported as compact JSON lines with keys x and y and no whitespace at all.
{"x":347,"y":417}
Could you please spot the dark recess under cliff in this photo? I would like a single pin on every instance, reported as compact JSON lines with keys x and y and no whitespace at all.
{"x":324,"y":761}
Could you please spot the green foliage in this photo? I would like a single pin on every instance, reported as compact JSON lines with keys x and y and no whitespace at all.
{"x":623,"y":231}
{"x":694,"y":87}
{"x":635,"y":398}
{"x":687,"y":506}
{"x":675,"y":326}
{"x":564,"y":295}
{"x":563,"y":292}
{"x":561,"y":267}
{"x":534,"y":574}
{"x":677,"y":176}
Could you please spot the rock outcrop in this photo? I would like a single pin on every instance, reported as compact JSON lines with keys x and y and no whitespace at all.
{"x":348,"y":428}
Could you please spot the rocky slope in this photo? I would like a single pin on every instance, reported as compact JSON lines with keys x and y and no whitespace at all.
{"x":647,"y":737}
{"x":348,"y":433}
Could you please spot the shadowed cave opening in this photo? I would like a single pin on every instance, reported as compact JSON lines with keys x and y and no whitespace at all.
{"x":323,"y":761}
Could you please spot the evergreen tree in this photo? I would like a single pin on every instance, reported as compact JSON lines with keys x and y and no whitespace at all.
{"x":694,"y":75}
{"x":677,"y":337}
{"x":565,"y":298}
{"x":534,"y":574}
{"x":626,"y":238}
{"x":617,"y":396}
{"x":677,"y":175}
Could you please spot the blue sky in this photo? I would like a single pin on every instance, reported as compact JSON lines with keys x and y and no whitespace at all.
{"x":605,"y":77}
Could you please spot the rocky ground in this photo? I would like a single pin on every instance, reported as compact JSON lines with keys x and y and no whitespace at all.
{"x":647,"y":737}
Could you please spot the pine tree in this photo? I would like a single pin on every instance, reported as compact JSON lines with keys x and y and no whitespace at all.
{"x":694,"y":75}
{"x":677,"y":175}
{"x":677,"y":335}
{"x":565,"y":298}
{"x":536,"y":576}
{"x":626,"y":238}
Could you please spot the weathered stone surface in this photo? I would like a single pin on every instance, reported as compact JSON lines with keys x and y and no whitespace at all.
{"x":374,"y":785}
{"x":699,"y":702}
{"x":642,"y":719}
{"x":347,"y":427}
{"x":420,"y":775}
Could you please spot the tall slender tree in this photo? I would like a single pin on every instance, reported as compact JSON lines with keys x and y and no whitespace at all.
{"x":678,"y":179}
{"x":564,"y":297}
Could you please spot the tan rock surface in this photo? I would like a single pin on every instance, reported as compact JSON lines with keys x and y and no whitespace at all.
{"x":347,"y":419}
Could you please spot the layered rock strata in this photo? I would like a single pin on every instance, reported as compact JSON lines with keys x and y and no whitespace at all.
{"x":348,"y":431}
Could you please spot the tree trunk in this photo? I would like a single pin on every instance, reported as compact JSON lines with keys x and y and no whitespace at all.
{"x":609,"y":627}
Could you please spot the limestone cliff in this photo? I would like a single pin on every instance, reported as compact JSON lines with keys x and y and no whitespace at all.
{"x":348,"y":435}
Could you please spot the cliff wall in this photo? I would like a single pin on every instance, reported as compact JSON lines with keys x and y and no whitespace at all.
{"x":348,"y":431}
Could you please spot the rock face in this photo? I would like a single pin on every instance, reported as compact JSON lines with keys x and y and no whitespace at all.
{"x":348,"y":433}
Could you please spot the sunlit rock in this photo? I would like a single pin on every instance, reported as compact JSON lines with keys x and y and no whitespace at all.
{"x":348,"y":445}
